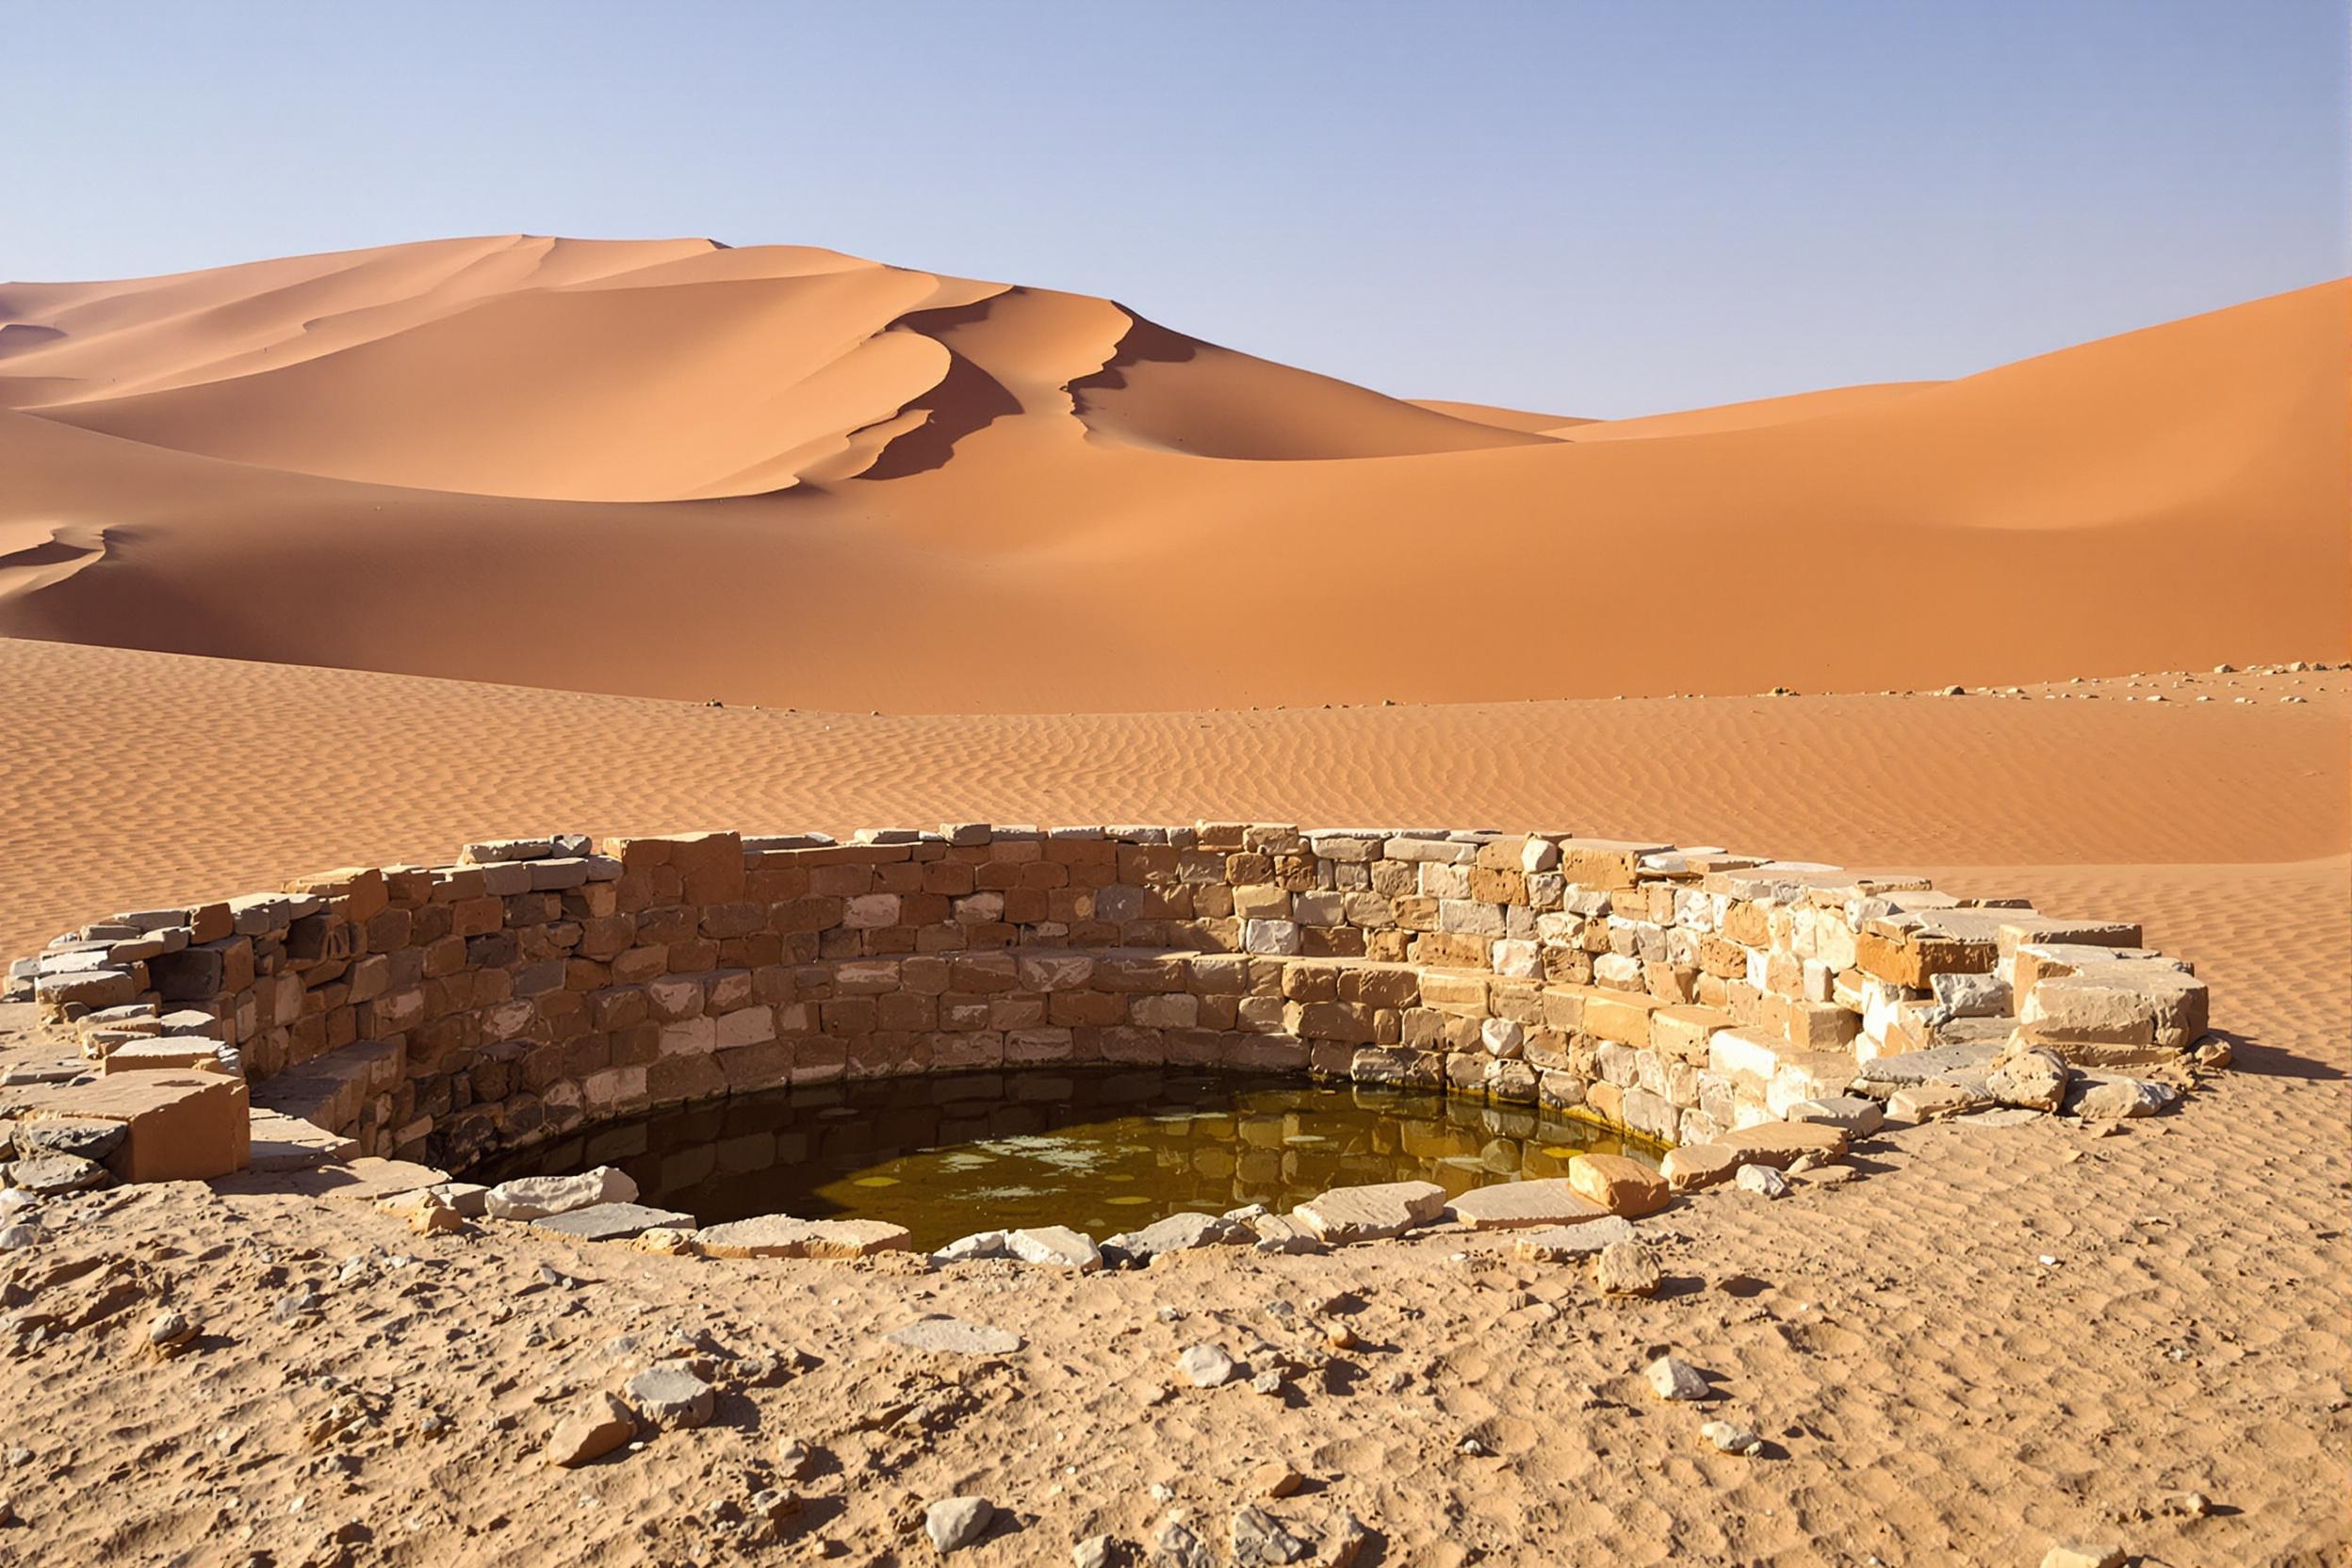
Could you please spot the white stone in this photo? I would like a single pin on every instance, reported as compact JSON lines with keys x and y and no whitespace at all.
{"x":533,"y":1197}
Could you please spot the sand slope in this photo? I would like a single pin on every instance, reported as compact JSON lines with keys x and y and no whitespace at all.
{"x":787,"y":475}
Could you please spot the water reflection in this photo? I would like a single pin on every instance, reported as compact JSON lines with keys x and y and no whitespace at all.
{"x":1102,"y":1149}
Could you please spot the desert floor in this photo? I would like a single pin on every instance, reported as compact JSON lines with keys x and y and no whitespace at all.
{"x":1997,"y":1338}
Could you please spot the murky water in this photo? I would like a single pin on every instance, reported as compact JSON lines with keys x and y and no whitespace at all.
{"x":1102,"y":1149}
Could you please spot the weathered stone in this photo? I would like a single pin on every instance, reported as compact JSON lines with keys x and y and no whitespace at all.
{"x":1344,"y":1541}
{"x":1175,"y":1545}
{"x":592,"y":1431}
{"x":1258,"y":1537}
{"x":2096,"y":1097}
{"x":53,"y":1175}
{"x":1691,"y":1165}
{"x":979,"y":1247}
{"x":1511,"y":1205}
{"x":1371,"y":1212}
{"x":1178,"y":1232}
{"x":178,"y":1126}
{"x":1055,"y":1245}
{"x":665,"y":1396}
{"x":88,"y":1141}
{"x":535,"y":1197}
{"x":1275,"y":1480}
{"x":1673,"y":1379}
{"x":1917,"y":1103}
{"x":1731,"y":1439}
{"x":953,"y":1523}
{"x":1763,"y":1179}
{"x":777,"y":1235}
{"x":1206,"y":1365}
{"x":1882,"y":1075}
{"x":1627,"y":1268}
{"x":1855,"y":1115}
{"x":2034,"y":1080}
{"x":1561,"y":1243}
{"x":607,"y":1221}
{"x":2082,"y":1554}
{"x":954,"y":1336}
{"x":1095,"y":1551}
{"x":1622,"y":1186}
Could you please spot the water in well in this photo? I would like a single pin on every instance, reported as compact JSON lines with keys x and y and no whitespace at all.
{"x":1102,"y":1149}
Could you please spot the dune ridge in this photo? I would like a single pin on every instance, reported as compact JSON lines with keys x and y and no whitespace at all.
{"x":802,"y":478}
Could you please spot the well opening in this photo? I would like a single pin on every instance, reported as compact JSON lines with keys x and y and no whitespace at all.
{"x":1105,"y":1150}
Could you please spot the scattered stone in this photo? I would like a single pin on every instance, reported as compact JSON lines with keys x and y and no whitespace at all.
{"x":88,"y":1141}
{"x":1344,"y":1540}
{"x":1275,"y":1480}
{"x":2034,"y":1080}
{"x":55,"y":1175}
{"x":1207,"y":1366}
{"x":1561,"y":1243}
{"x":1858,"y":1115}
{"x":433,"y":1215}
{"x":2079,"y":1554}
{"x":2213,"y":1055}
{"x":13,"y":1238}
{"x":1627,"y":1268}
{"x":952,"y":1523}
{"x":1511,"y":1205}
{"x":1622,"y":1186}
{"x":954,"y":1336}
{"x":534,"y":1196}
{"x":777,"y":1235}
{"x":979,"y":1247}
{"x":2184,"y":1505}
{"x":1268,"y":1382}
{"x":1258,"y":1537}
{"x":1919,"y":1103}
{"x":1179,"y":1233}
{"x":1371,"y":1212}
{"x":1731,"y":1439}
{"x":1673,"y":1379}
{"x":2102,"y":1099}
{"x":667,"y":1396}
{"x":1055,"y":1245}
{"x":610,"y":1222}
{"x":1824,"y":1176}
{"x":171,"y":1331}
{"x":589,"y":1433}
{"x":1175,"y":1545}
{"x":1691,"y":1165}
{"x":1095,"y":1551}
{"x":1763,"y":1179}
{"x":796,"y":1460}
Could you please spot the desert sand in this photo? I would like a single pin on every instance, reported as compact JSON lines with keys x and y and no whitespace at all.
{"x":1932,"y":1392}
{"x":349,"y":559}
{"x":801,"y":479}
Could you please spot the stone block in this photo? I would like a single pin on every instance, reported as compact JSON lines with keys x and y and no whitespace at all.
{"x":181,"y":1127}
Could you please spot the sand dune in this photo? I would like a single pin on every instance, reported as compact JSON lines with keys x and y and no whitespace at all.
{"x":788,"y":476}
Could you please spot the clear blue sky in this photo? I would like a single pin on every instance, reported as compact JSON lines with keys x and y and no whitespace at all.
{"x":1604,"y":208}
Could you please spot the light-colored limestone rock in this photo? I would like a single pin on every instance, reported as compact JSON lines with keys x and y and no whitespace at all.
{"x":1670,"y":1378}
{"x":777,"y":1235}
{"x":1561,"y":1243}
{"x":534,"y":1197}
{"x":1622,"y":1186}
{"x":1371,"y":1212}
{"x":1507,"y":1205}
{"x":955,"y":1523}
{"x":1057,"y":1246}
{"x":1627,"y":1268}
{"x":954,"y":1336}
{"x":591,"y":1431}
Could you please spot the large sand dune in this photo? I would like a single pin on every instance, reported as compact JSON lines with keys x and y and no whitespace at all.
{"x":788,"y":476}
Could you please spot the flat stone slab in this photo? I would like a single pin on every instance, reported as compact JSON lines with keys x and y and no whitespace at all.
{"x":362,"y":1181}
{"x":1372,"y":1213}
{"x":777,"y":1235}
{"x":1511,"y":1205}
{"x":1055,"y":1245}
{"x":1178,"y":1232}
{"x":612,"y":1221}
{"x":1881,"y":1076}
{"x":954,"y":1336}
{"x":282,"y":1143}
{"x":1856,"y":1114}
{"x":1777,"y":1143}
{"x":1557,"y":1243}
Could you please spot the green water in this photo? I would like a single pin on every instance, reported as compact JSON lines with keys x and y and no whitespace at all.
{"x":1102,"y":1149}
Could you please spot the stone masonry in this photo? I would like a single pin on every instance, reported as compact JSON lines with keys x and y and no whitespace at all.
{"x":535,"y":985}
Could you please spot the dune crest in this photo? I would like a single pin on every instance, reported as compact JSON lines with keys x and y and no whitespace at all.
{"x":801,"y":477}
